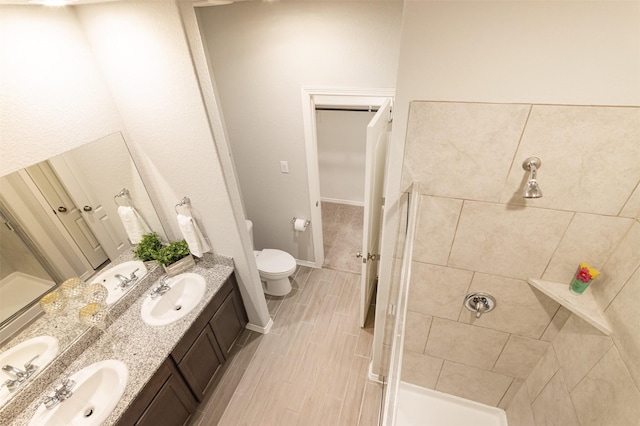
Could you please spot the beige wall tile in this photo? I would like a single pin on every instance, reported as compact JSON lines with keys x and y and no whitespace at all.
{"x":519,"y":412}
{"x":542,"y":373}
{"x":462,"y":150}
{"x":466,"y":344}
{"x":590,"y":238}
{"x":578,"y":347}
{"x":515,"y":243}
{"x":632,"y":206}
{"x":624,"y":260}
{"x":624,"y":316}
{"x":589,"y":157}
{"x":558,"y":321}
{"x":472,"y":383}
{"x":520,"y":356}
{"x":514,"y":388}
{"x":520,"y":308}
{"x":553,"y":406}
{"x":607,"y":395}
{"x":436,"y":290}
{"x":420,"y":369}
{"x":437,"y":223}
{"x":416,"y":331}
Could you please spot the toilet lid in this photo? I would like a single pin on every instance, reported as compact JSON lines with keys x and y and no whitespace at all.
{"x":275,"y":261}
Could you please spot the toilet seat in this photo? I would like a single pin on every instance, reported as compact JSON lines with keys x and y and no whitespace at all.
{"x":275,"y":263}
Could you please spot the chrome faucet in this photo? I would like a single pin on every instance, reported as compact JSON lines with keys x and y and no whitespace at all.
{"x":61,"y":393}
{"x":126,"y":282}
{"x":17,"y":375}
{"x":161,"y":288}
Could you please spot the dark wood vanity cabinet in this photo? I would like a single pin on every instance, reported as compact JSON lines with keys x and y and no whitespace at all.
{"x":228,"y":322}
{"x":165,"y":400}
{"x":194,"y":365}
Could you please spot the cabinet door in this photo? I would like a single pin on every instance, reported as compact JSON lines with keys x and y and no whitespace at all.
{"x":201,"y":363}
{"x":228,"y":322}
{"x":170,"y":406}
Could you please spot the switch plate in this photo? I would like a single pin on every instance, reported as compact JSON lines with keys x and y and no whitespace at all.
{"x":284,"y":166}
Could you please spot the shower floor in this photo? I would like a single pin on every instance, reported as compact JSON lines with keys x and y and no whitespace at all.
{"x":342,"y":236}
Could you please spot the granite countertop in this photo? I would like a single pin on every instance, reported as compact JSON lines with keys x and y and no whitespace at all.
{"x":141,"y":347}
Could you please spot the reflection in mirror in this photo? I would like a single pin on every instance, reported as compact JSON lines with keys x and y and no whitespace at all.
{"x":60,"y":220}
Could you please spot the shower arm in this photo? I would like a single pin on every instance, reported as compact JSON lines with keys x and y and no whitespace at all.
{"x":533,"y":171}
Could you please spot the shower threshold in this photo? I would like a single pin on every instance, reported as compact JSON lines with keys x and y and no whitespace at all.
{"x":418,"y":406}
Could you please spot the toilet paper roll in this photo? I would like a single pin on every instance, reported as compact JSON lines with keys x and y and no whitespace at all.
{"x":300,"y":225}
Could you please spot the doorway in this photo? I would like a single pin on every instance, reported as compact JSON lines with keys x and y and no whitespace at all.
{"x":376,"y":148}
{"x":341,"y":134}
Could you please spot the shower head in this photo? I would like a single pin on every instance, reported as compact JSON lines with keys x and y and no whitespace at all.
{"x":532,"y":190}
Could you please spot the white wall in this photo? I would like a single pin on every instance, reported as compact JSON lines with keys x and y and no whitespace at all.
{"x":143,"y":52}
{"x":53,"y":96}
{"x":262,"y":54}
{"x":521,"y":52}
{"x":342,"y":137}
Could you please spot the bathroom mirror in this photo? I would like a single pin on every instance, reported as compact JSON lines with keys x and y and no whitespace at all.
{"x":60,"y":220}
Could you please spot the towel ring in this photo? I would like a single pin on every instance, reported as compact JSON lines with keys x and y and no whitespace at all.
{"x":185,"y":202}
{"x":122,"y":194}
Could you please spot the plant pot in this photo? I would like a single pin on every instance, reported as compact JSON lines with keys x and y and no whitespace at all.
{"x":149,"y":264}
{"x":180,"y":266}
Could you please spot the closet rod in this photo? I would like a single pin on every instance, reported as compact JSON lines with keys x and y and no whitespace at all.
{"x":372,"y":109}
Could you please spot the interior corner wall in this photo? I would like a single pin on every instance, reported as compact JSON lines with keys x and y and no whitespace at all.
{"x":53,"y":97}
{"x":556,"y":52}
{"x":262,"y":54}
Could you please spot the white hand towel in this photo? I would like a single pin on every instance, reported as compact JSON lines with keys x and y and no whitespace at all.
{"x":133,"y":223}
{"x":192,"y":235}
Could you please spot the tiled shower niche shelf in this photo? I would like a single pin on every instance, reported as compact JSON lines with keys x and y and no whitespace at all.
{"x":583,"y":305}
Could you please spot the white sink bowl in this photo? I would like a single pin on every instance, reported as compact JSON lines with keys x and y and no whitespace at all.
{"x":96,"y":393}
{"x":44,"y":347}
{"x":108,"y":278}
{"x":186,"y":292}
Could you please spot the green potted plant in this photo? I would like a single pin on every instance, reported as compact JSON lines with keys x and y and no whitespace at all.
{"x":175,"y":257}
{"x":147,"y":248}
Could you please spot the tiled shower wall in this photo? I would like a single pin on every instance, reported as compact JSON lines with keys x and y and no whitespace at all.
{"x":477,"y":233}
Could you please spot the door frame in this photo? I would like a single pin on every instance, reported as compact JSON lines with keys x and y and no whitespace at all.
{"x":313,"y":97}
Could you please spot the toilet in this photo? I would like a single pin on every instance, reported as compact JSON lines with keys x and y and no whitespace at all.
{"x":275,"y":268}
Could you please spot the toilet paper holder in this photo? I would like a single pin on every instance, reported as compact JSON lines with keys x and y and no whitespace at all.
{"x":306,"y":222}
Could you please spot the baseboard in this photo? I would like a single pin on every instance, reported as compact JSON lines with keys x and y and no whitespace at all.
{"x":306,"y":263}
{"x":372,"y":376}
{"x":258,"y":329}
{"x":347,"y":202}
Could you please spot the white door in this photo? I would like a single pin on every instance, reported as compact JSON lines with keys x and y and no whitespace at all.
{"x":98,"y":206}
{"x":66,"y":211}
{"x":376,"y":159}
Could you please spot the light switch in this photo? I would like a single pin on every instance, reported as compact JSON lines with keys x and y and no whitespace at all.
{"x":284,"y":166}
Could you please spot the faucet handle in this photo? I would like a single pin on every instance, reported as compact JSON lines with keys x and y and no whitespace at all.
{"x":29,"y":364}
{"x":133,"y":274}
{"x":68,"y":384}
{"x":50,"y":401}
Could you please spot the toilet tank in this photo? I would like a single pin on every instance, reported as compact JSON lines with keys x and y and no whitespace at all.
{"x":250,"y":229}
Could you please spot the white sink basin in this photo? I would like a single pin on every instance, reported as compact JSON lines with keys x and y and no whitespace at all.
{"x":186,"y":292}
{"x":44,"y":347}
{"x":96,"y":393}
{"x":108,"y":278}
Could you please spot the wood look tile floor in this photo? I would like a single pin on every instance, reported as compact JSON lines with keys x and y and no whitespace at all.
{"x":311,"y":369}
